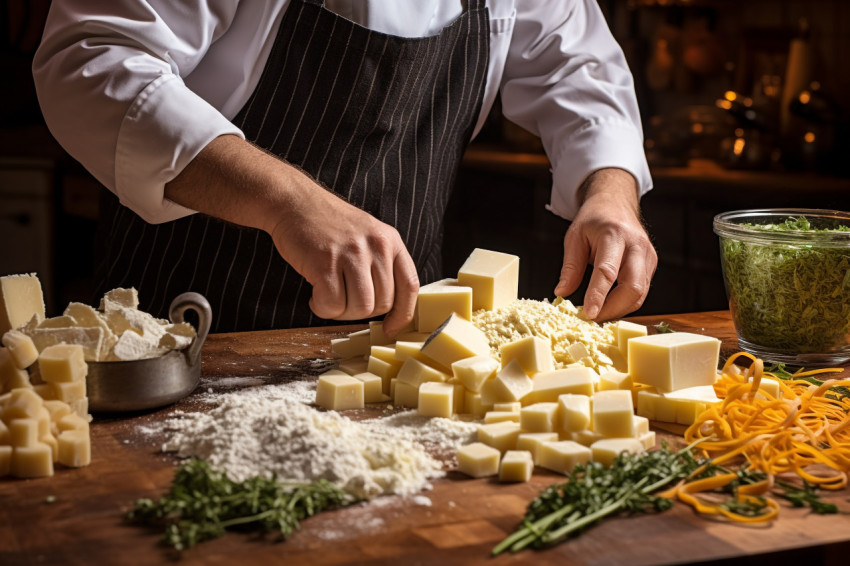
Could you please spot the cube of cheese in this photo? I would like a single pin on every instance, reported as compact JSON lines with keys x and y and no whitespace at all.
{"x":352,"y":366}
{"x":690,"y":402}
{"x":539,"y":417}
{"x":641,"y":425}
{"x":501,"y":436}
{"x":508,"y":407}
{"x":68,"y":391}
{"x":533,"y":353}
{"x":647,"y":440}
{"x":414,"y":373}
{"x":5,"y":435}
{"x":5,"y":460}
{"x":63,"y":363}
{"x":406,"y":395}
{"x":21,"y":348}
{"x":770,"y":387}
{"x":377,"y":336}
{"x":120,"y":297}
{"x":500,"y":416}
{"x":493,"y":276}
{"x":11,"y":377}
{"x":473,"y":372}
{"x":574,"y":412}
{"x":22,"y":403}
{"x":435,"y":303}
{"x":606,"y":450}
{"x":548,"y":386}
{"x":23,"y":432}
{"x":613,"y":414}
{"x":510,"y":385}
{"x":562,"y":456}
{"x":339,"y":392}
{"x":532,"y":441}
{"x":625,"y":331}
{"x":455,"y":339}
{"x":72,"y":421}
{"x":386,"y":354}
{"x":517,"y":465}
{"x":474,"y":405}
{"x":345,"y":348}
{"x":478,"y":460}
{"x":611,"y":380}
{"x":386,"y":371}
{"x":585,"y":437}
{"x":372,"y":386}
{"x":436,"y":399}
{"x":674,"y":361}
{"x":74,"y":448}
{"x":32,"y":461}
{"x":20,"y":298}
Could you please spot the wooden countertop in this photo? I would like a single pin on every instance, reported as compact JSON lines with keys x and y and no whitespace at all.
{"x":464,"y":520}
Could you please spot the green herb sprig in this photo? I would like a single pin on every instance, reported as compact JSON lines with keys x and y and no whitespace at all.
{"x":594,"y":492}
{"x":805,"y":495}
{"x":204,"y":503}
{"x":781,"y":371}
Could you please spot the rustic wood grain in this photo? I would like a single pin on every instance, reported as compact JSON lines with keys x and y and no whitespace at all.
{"x":464,"y":520}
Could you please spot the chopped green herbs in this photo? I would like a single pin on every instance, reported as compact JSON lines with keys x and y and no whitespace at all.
{"x":203,"y":503}
{"x":789,"y":297}
{"x":663,"y":328}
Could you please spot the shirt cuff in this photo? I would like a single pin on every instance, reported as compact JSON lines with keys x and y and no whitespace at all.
{"x":599,"y":145}
{"x":164,"y":129}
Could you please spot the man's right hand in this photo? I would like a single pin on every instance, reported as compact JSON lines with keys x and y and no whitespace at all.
{"x":358,"y":266}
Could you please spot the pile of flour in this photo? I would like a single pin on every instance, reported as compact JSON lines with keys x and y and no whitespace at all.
{"x":270,"y":430}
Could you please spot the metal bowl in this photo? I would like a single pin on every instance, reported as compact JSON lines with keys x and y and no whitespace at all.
{"x":155,"y":382}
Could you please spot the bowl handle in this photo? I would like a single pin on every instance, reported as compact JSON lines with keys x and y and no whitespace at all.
{"x":199,"y":304}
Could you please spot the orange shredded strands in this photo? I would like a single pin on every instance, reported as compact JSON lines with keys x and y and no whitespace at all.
{"x":805,"y":432}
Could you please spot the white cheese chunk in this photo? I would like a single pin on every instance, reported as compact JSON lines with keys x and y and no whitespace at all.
{"x":674,"y":361}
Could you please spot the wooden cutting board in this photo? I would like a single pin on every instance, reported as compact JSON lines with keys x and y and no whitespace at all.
{"x":457,"y":522}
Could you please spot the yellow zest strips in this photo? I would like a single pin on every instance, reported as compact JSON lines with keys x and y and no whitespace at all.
{"x":804,"y":432}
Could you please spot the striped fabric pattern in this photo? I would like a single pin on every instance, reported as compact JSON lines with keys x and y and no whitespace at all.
{"x":380,"y":120}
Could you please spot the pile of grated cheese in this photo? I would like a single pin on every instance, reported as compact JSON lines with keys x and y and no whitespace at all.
{"x":560,"y":322}
{"x":269,"y":430}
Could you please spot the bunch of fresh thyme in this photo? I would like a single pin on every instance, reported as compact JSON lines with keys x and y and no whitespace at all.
{"x":203,"y":503}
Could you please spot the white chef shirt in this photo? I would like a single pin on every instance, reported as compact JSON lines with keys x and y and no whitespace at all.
{"x":134,"y":89}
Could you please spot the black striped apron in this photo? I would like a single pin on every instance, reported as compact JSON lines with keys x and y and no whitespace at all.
{"x":381,"y":120}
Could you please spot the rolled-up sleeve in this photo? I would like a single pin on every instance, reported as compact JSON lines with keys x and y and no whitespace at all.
{"x":567,"y":81}
{"x":109,"y":79}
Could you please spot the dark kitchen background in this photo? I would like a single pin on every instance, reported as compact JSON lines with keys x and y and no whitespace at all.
{"x":745,"y":104}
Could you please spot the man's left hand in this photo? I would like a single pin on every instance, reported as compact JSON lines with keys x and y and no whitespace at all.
{"x":607,"y":233}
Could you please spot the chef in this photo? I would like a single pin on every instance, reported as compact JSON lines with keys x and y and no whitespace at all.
{"x":292,"y":159}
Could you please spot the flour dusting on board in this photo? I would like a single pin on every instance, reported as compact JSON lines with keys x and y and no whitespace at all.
{"x":271,"y":430}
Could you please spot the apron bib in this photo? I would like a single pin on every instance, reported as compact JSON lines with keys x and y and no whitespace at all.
{"x":380,"y":120}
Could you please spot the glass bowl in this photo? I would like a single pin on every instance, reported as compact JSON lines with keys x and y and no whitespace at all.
{"x":787,"y":277}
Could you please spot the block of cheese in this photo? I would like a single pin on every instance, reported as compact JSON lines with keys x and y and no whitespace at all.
{"x":473,"y":404}
{"x":373,"y":386}
{"x":353,"y":365}
{"x":770,"y":387}
{"x":509,"y":407}
{"x":62,"y":363}
{"x":11,"y":377}
{"x":473,"y":372}
{"x":585,"y":437}
{"x":91,"y":339}
{"x":377,"y":336}
{"x":574,"y":412}
{"x":577,"y":351}
{"x":344,"y":348}
{"x":23,"y":403}
{"x":405,"y":395}
{"x":20,"y":299}
{"x":478,"y":460}
{"x":641,"y":425}
{"x":415,"y":373}
{"x":21,"y":348}
{"x":624,"y":332}
{"x":32,"y":461}
{"x":339,"y":392}
{"x":5,"y":437}
{"x":74,"y":448}
{"x":436,"y":399}
{"x":615,"y":380}
{"x":23,"y":432}
{"x":500,"y":416}
{"x":681,"y":406}
{"x":606,"y":450}
{"x":533,"y":353}
{"x":647,"y":439}
{"x":674,"y":361}
{"x":5,"y":460}
{"x":386,"y":370}
{"x":51,"y":441}
{"x":562,"y":456}
{"x":517,"y":465}
{"x":539,"y":417}
{"x":435,"y":303}
{"x":510,"y":385}
{"x":120,"y":297}
{"x":493,"y":276}
{"x":532,"y":441}
{"x":72,"y":421}
{"x":68,"y":391}
{"x":455,"y":339}
{"x":550,"y":385}
{"x":501,"y":436}
{"x":612,"y":413}
{"x":385,"y":353}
